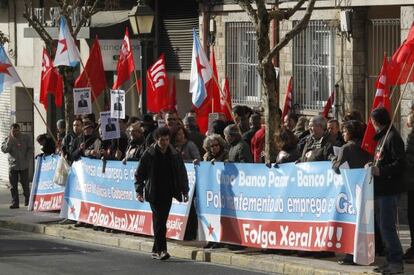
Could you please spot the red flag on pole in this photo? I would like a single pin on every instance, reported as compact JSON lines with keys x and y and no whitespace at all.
{"x":401,"y":62}
{"x":214,"y":88}
{"x":382,"y":99}
{"x":172,"y":96}
{"x":328,"y":105}
{"x":288,"y":99}
{"x":225,"y":100}
{"x":126,"y":65}
{"x":93,"y":74}
{"x":51,"y":82}
{"x":157,"y":86}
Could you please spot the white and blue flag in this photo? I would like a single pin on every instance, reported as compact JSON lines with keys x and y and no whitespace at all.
{"x":8,"y":74}
{"x":67,"y":54}
{"x":201,"y":73}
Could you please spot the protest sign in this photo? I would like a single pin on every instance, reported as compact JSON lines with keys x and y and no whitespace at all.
{"x":118,"y":104}
{"x":82,"y":101}
{"x":109,"y":126}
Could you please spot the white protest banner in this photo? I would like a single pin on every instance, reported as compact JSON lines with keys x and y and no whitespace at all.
{"x":109,"y":126}
{"x":118,"y":104}
{"x":82,"y":101}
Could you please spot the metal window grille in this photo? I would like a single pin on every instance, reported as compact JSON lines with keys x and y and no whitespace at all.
{"x":241,"y":63}
{"x":384,"y":36}
{"x":313,"y":65}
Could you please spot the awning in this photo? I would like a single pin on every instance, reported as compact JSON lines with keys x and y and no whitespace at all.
{"x":105,"y":24}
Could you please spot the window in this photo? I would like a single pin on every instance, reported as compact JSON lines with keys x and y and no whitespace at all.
{"x":241,"y":63}
{"x":313,"y":66}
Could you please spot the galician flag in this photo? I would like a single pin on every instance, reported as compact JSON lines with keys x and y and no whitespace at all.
{"x":201,"y":73}
{"x":67,"y":54}
{"x":8,"y":74}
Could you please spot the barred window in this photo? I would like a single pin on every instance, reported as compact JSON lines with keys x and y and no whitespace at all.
{"x":241,"y":63}
{"x":313,"y":66}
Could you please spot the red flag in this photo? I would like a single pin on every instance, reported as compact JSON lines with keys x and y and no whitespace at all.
{"x":225,"y":101}
{"x":50,"y":82}
{"x":172,"y":96}
{"x":93,"y":74}
{"x":214,"y":92}
{"x":157,"y":86}
{"x":328,"y":105}
{"x":381,"y":99}
{"x":401,"y":62}
{"x":288,"y":99}
{"x":126,"y":65}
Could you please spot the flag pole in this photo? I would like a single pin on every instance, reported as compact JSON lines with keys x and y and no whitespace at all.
{"x":135,"y":84}
{"x":395,"y":111}
{"x":394,"y":88}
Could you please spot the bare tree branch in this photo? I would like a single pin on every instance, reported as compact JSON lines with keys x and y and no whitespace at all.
{"x":37,"y":26}
{"x":288,"y":36}
{"x":86,"y":15}
{"x":286,"y":14}
{"x":247,"y":7}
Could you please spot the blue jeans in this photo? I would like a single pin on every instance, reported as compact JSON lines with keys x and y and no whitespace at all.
{"x":387,"y":221}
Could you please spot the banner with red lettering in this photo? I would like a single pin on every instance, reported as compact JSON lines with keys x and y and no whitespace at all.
{"x":103,"y":194}
{"x":306,"y":206}
{"x":45,"y":195}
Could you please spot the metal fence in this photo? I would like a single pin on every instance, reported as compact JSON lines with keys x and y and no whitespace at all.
{"x":384,"y":36}
{"x":241,"y":63}
{"x":313,"y":65}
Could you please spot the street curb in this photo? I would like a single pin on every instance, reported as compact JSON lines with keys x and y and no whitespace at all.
{"x":232,"y":259}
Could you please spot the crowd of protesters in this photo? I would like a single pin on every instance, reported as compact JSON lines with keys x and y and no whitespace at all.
{"x":300,"y":139}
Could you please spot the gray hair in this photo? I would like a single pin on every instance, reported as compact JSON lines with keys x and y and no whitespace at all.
{"x":210,"y":138}
{"x":319,"y":120}
{"x":232,"y":130}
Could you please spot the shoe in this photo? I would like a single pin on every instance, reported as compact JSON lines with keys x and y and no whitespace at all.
{"x":164,"y":255}
{"x":79,"y":224}
{"x":346,"y":261}
{"x":155,"y":255}
{"x":379,"y":269}
{"x":409,"y":254}
{"x":14,"y":206}
{"x":26,"y":204}
{"x":393,"y":269}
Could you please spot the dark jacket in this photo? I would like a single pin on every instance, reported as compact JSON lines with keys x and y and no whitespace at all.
{"x":391,"y":163}
{"x":145,"y":174}
{"x":409,"y":170}
{"x":317,"y":150}
{"x":68,"y":146}
{"x":240,"y":152}
{"x":198,"y":139}
{"x":78,"y":152}
{"x":135,"y":150}
{"x":49,"y":147}
{"x":247,"y":136}
{"x":352,"y":153}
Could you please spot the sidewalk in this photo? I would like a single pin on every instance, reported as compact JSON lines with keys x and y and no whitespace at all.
{"x":253,"y":259}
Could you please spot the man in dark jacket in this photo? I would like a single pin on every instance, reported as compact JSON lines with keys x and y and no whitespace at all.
{"x":318,"y":146}
{"x":136,"y":146}
{"x":48,"y":144}
{"x":68,"y":143}
{"x":161,"y":176}
{"x":84,"y":142}
{"x":387,"y":169}
{"x":239,"y":150}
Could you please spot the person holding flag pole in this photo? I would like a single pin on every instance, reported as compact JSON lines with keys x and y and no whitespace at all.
{"x":389,"y":161}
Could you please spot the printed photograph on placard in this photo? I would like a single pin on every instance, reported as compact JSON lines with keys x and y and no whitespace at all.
{"x":118,"y":104}
{"x":109,"y":126}
{"x":82,"y":101}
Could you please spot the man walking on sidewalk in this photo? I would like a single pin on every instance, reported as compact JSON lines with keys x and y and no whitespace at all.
{"x":160,"y":176}
{"x":20,"y":149}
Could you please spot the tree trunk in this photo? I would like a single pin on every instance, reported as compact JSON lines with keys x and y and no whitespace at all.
{"x":270,"y":96}
{"x":68,"y":83}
